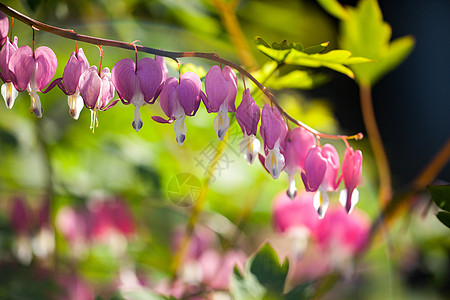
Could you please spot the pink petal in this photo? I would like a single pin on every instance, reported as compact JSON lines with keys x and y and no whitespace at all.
{"x":107,"y":88}
{"x":46,"y":63}
{"x":21,"y":66}
{"x":73,"y":70}
{"x":351,"y":168}
{"x":297,"y":144}
{"x":168,"y":97}
{"x":216,"y":88}
{"x":315,"y":168}
{"x":150,"y":75}
{"x":4,"y":27}
{"x":273,"y":128}
{"x":248,"y":114}
{"x":231,"y":79}
{"x":90,"y":85}
{"x":7,"y":51}
{"x":332,"y":157}
{"x":189,"y":92}
{"x":124,"y":78}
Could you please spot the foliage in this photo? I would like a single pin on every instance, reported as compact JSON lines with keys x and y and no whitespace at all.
{"x":364,"y":33}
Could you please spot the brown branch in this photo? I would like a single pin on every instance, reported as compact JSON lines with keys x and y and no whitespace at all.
{"x":70,"y":34}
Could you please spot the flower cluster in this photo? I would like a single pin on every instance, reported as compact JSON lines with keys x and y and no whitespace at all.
{"x":143,"y":81}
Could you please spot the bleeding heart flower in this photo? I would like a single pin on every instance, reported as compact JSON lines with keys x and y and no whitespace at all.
{"x":273,"y":131}
{"x":76,"y":66}
{"x":137,"y":84}
{"x":320,"y":175}
{"x":97,"y":91}
{"x":179,"y":100}
{"x":297,"y":144}
{"x":351,"y":173}
{"x":32,"y":72}
{"x":9,"y":92}
{"x":221,"y":90}
{"x":247,"y":115}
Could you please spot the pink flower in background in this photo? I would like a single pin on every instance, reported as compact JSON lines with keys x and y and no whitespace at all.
{"x":32,"y":237}
{"x":351,"y":173}
{"x":320,"y":175}
{"x":73,"y":287}
{"x":179,"y":100}
{"x":32,"y":71}
{"x":341,"y":233}
{"x":221,"y":91}
{"x":273,"y":131}
{"x":248,"y":115}
{"x":111,"y":216}
{"x":297,"y":144}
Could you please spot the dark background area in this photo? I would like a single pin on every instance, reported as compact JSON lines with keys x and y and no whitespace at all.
{"x":412,"y":103}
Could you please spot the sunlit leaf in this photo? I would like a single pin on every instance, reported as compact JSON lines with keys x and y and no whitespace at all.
{"x":296,"y":79}
{"x":268,"y":270}
{"x":246,"y":286}
{"x":444,"y":217}
{"x":334,"y":8}
{"x":440,"y":194}
{"x":290,"y":54}
{"x":365,"y":34}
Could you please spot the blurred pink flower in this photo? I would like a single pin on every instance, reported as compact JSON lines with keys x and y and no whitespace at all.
{"x":299,"y":212}
{"x":340,"y":232}
{"x":74,"y":288}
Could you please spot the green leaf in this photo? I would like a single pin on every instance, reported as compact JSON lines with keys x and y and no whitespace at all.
{"x":246,"y":286}
{"x":300,"y":292}
{"x":334,"y":8}
{"x":296,"y":79}
{"x":268,"y":270}
{"x":316,"y":49}
{"x":440,"y":194}
{"x":365,"y":34}
{"x":444,"y":217}
{"x":292,"y":54}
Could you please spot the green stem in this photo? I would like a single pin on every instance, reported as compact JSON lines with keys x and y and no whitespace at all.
{"x":198,"y":207}
{"x":228,"y":15}
{"x":384,"y":173}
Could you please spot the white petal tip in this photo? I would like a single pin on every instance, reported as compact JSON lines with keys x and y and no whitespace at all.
{"x":180,"y":139}
{"x":137,"y":125}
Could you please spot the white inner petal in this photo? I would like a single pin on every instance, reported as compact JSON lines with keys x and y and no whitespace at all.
{"x":274,"y":162}
{"x":9,"y":93}
{"x":320,"y":202}
{"x":180,"y":129}
{"x":221,"y":122}
{"x":249,"y":147}
{"x":75,"y":105}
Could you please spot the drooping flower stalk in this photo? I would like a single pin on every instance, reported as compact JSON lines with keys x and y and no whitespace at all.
{"x":297,"y":144}
{"x":320,"y":175}
{"x":221,"y":90}
{"x":351,"y":173}
{"x":32,"y":71}
{"x":137,"y":84}
{"x":73,"y":70}
{"x":248,"y":115}
{"x":97,"y":91}
{"x":178,"y":100}
{"x":273,"y":131}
